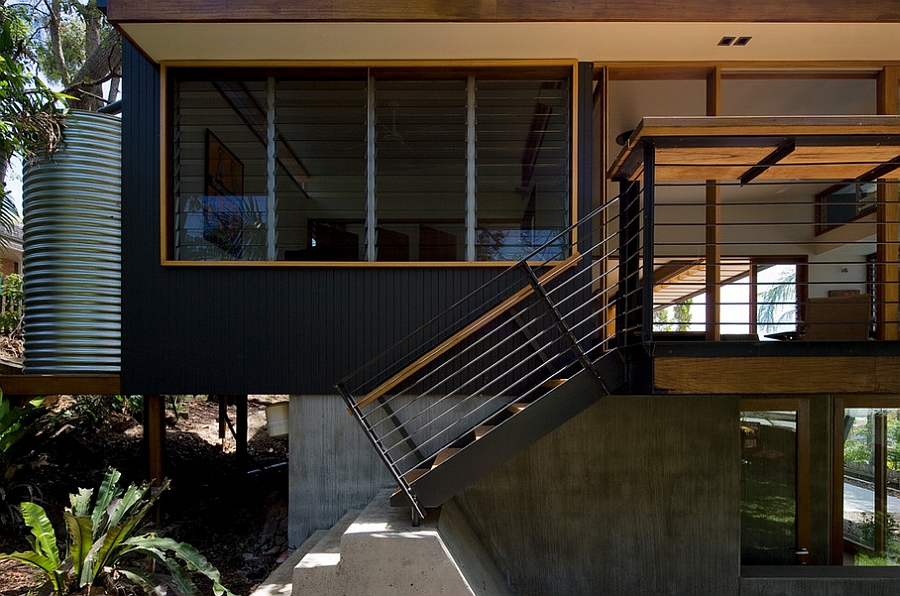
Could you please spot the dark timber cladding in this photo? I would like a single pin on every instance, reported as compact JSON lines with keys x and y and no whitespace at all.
{"x":240,"y":330}
{"x":800,"y":11}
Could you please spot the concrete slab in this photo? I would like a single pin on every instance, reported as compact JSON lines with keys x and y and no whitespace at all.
{"x":381,"y":553}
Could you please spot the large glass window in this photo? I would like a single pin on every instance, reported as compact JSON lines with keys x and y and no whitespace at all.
{"x":357,"y":164}
{"x":871,"y":486}
{"x":773,"y":509}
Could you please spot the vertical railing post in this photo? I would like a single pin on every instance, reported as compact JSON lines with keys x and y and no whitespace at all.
{"x":579,"y":352}
{"x":647,"y":287}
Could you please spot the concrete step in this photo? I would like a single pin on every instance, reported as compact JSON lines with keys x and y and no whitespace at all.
{"x":381,"y":554}
{"x":281,"y":581}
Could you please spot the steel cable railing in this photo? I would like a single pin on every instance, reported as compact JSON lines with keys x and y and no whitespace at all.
{"x":494,"y":347}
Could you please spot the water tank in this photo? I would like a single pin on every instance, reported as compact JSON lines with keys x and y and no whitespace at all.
{"x":72,"y":251}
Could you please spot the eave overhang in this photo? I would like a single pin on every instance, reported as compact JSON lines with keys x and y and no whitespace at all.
{"x":585,"y":41}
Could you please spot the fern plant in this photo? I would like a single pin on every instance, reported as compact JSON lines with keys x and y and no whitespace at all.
{"x":102,"y":541}
{"x":20,"y":428}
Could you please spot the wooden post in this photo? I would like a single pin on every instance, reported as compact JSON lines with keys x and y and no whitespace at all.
{"x":601,"y":151}
{"x":713,"y":215}
{"x":240,"y":439}
{"x":887,"y":256}
{"x":155,"y":436}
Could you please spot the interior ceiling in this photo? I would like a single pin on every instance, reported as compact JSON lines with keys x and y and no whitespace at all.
{"x":584,"y":41}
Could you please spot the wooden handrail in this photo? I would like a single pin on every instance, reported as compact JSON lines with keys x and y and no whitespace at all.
{"x":463,"y":333}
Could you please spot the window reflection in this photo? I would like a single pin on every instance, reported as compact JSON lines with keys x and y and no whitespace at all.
{"x":370,"y":164}
{"x":871,"y":486}
{"x":768,"y":487}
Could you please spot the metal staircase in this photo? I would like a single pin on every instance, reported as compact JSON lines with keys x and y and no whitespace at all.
{"x":503,"y":367}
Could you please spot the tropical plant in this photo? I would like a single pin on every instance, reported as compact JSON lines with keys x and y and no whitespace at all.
{"x":20,"y":428}
{"x":103,"y":550}
{"x":777,"y":301}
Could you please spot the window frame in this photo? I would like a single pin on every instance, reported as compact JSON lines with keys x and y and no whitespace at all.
{"x":500,"y":68}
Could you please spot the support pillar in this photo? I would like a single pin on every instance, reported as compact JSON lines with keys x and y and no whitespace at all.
{"x":713,"y":255}
{"x":155,"y":436}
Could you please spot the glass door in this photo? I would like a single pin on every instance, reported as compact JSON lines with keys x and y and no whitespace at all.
{"x":774,"y":487}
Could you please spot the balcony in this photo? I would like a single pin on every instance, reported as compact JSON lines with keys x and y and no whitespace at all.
{"x":773,"y":247}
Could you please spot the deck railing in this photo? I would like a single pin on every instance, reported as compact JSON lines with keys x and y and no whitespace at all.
{"x":782,"y":261}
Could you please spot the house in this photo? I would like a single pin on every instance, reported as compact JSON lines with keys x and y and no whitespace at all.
{"x":422,"y":209}
{"x":11,"y":261}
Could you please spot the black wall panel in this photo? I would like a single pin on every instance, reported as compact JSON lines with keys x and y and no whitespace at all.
{"x":236,"y":330}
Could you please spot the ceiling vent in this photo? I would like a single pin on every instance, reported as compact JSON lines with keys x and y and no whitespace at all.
{"x":730,"y":40}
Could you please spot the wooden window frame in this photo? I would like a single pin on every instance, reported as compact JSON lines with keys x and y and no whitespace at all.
{"x":167,"y":217}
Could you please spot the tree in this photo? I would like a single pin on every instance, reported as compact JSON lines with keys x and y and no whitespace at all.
{"x":681,"y":317}
{"x":30,"y":111}
{"x":78,"y":50}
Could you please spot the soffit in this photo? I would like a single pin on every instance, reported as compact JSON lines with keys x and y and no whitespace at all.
{"x":584,"y":41}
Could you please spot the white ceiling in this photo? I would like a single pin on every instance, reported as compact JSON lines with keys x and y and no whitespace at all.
{"x":585,"y":41}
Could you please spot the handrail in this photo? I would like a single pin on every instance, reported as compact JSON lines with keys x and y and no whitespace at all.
{"x":464,"y":333}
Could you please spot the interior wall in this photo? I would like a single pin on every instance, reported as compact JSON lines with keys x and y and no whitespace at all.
{"x":637,"y":495}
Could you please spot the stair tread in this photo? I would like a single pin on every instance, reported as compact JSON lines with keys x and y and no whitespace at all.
{"x":553,"y":383}
{"x":517,"y":407}
{"x":414,"y":474}
{"x":443,"y":455}
{"x":480,"y":431}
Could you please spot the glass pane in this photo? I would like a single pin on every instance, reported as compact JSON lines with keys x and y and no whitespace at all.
{"x":768,"y":488}
{"x":420,"y":169}
{"x":871,"y":537}
{"x":522,"y":167}
{"x":776,"y":299}
{"x":321,"y":169}
{"x":219,"y":170}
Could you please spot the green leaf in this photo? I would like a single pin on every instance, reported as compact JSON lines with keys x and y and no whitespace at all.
{"x":124,"y":507}
{"x":80,"y":540}
{"x":45,"y":555}
{"x":81,"y":502}
{"x":108,"y":491}
{"x":187,"y":553}
{"x":44,"y":541}
{"x":103,"y":553}
{"x":143,"y":580}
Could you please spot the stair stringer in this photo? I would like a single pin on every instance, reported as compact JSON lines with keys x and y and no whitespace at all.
{"x":514,"y":434}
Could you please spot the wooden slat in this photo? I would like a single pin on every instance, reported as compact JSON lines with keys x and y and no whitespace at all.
{"x":800,"y":11}
{"x":465,"y":332}
{"x":60,"y":384}
{"x":774,"y":375}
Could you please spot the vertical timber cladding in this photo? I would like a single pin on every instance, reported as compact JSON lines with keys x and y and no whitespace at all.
{"x":259,"y":330}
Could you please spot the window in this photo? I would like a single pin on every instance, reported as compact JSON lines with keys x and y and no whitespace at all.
{"x":355,"y":164}
{"x":869,"y":488}
{"x":774,"y":482}
{"x":843,"y":203}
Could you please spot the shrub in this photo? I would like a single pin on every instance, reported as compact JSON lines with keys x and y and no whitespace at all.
{"x":20,"y":428}
{"x":102,"y":546}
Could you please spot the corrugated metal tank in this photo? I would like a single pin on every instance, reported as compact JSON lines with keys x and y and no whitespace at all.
{"x":72,"y":251}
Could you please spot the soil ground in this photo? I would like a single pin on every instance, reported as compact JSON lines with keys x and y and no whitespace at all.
{"x":237,"y":520}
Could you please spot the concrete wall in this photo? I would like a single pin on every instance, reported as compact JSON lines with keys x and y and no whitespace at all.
{"x":333,"y":468}
{"x":637,"y":495}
